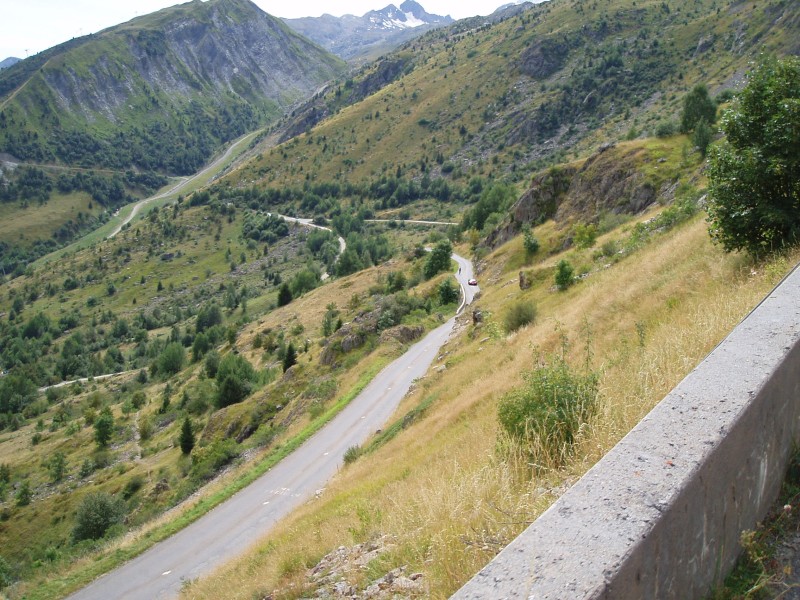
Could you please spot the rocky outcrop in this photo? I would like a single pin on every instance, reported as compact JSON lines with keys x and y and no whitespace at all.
{"x":543,"y":58}
{"x":610,"y":181}
{"x":339,"y":575}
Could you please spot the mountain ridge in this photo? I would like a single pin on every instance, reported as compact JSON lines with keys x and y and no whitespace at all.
{"x":191,"y":76}
{"x":356,"y":38}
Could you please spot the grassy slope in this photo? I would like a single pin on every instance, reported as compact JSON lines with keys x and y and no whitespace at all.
{"x":472,"y":78}
{"x":439,"y":489}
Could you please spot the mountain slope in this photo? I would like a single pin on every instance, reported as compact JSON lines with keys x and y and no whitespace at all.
{"x":160,"y":92}
{"x":355,"y":38}
{"x":8,"y":62}
{"x":506,"y":98}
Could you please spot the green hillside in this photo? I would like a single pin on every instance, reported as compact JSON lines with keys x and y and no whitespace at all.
{"x":504,"y":100}
{"x":160,"y":93}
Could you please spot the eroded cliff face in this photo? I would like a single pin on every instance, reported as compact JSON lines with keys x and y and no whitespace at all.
{"x":221,"y":60}
{"x":610,"y":181}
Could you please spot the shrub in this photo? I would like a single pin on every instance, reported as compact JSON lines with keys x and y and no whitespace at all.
{"x":520,"y":314}
{"x":235,"y":379}
{"x":96,"y":514}
{"x":171,"y":359}
{"x":448,"y":294}
{"x":585,"y":235}
{"x":206,"y":461}
{"x":530,"y":243}
{"x":666,"y":129}
{"x":565,"y":275}
{"x":212,"y":363}
{"x":134,"y":484}
{"x":546,"y":414}
{"x":352,"y":454}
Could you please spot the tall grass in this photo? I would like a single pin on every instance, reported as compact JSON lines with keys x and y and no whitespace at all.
{"x":439,"y":488}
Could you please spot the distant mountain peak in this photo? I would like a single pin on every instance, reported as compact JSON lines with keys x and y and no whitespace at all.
{"x":7,"y":62}
{"x":350,"y":36}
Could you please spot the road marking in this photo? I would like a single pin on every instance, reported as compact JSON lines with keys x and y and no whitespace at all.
{"x":166,"y":573}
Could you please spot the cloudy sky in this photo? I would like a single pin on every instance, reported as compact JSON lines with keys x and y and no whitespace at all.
{"x":30,"y":26}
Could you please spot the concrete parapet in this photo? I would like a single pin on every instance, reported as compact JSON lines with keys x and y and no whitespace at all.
{"x":660,"y":515}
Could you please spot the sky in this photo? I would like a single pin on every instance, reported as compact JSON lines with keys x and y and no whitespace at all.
{"x":30,"y":26}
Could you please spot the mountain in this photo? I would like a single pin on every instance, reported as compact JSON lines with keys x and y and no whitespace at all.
{"x":11,"y":60}
{"x":161,"y":92}
{"x":356,"y":38}
{"x":507,"y":95}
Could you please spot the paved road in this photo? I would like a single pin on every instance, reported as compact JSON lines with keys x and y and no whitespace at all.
{"x":232,"y":527}
{"x":185,"y":181}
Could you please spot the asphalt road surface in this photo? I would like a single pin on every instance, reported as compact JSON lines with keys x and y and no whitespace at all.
{"x":232,"y":527}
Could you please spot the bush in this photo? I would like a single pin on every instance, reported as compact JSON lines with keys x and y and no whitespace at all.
{"x":352,"y":454}
{"x":96,"y":514}
{"x":208,"y":460}
{"x":171,"y":359}
{"x":212,"y":363}
{"x":666,"y":129}
{"x":547,"y":413}
{"x":585,"y":235}
{"x":235,"y":379}
{"x":565,"y":275}
{"x":520,"y":314}
{"x":448,"y":294}
{"x":530,"y":243}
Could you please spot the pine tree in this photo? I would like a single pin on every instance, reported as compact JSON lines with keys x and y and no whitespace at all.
{"x":290,"y":358}
{"x":187,"y":436}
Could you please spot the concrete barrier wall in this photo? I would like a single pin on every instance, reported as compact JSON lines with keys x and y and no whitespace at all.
{"x":660,"y":515}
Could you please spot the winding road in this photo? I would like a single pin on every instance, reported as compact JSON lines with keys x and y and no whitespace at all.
{"x":184,"y":182}
{"x":232,"y":527}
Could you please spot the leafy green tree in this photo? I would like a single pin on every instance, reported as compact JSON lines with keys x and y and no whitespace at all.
{"x":290,"y":358}
{"x":754,"y":175}
{"x":212,"y":363}
{"x":697,"y":106}
{"x":171,"y":359}
{"x":702,"y":136}
{"x":349,"y":262}
{"x":208,"y":316}
{"x":187,"y":436}
{"x":235,"y":378}
{"x":96,"y":514}
{"x":565,"y":275}
{"x":200,"y":346}
{"x":448,"y":293}
{"x":438,"y":259}
{"x":104,"y":427}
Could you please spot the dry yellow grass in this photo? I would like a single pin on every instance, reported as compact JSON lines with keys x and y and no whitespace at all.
{"x":439,"y":489}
